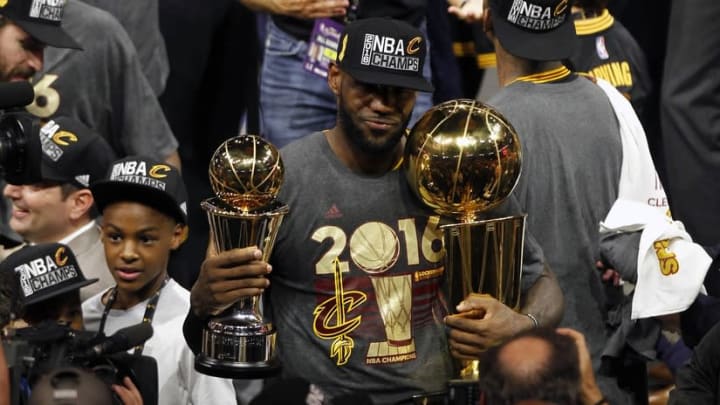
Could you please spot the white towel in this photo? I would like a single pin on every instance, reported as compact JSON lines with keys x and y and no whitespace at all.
{"x":638,"y":178}
{"x":670,"y":267}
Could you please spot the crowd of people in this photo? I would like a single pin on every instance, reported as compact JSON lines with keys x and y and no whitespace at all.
{"x":103,"y":238}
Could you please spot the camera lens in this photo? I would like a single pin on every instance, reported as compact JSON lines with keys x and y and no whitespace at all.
{"x":13,"y":145}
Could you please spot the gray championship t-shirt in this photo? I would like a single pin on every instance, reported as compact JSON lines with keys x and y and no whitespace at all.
{"x":355,"y":287}
{"x":103,"y":85}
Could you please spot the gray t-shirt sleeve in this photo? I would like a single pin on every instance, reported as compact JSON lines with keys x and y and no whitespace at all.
{"x":103,"y":86}
{"x":140,"y":19}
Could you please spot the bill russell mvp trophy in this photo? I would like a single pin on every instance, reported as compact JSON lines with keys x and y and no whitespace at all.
{"x":463,"y":158}
{"x":246,"y":174}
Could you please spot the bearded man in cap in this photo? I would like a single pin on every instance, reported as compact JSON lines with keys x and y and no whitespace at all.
{"x":350,"y":209}
{"x":27,"y":27}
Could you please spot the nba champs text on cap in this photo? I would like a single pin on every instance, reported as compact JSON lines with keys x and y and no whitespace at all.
{"x":145,"y":180}
{"x":384,"y":51}
{"x":45,"y":270}
{"x":535,"y":29}
{"x":41,"y":19}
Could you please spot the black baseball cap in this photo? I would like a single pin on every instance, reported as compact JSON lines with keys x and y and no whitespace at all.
{"x":384,"y":51}
{"x":144,"y":180}
{"x":45,"y":271}
{"x":41,"y":19}
{"x":541,"y":30}
{"x":63,"y":150}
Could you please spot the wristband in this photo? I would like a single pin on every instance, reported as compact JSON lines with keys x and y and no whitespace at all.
{"x":536,"y":325}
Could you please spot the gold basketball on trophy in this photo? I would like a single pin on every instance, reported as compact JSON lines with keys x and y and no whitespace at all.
{"x":462,"y":157}
{"x":246,"y":172}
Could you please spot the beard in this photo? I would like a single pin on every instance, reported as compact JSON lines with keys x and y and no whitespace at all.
{"x":24,"y":72}
{"x":364,"y":142}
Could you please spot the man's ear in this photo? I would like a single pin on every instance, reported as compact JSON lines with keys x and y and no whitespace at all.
{"x":180,"y":235}
{"x":81,"y":203}
{"x":334,"y":78}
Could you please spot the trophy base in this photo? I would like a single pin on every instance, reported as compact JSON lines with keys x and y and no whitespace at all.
{"x":238,"y":346}
{"x":236,"y":370}
{"x":462,"y":392}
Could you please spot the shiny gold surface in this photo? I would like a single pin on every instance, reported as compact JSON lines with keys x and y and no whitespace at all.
{"x":246,"y":172}
{"x":462,"y":157}
{"x":486,"y":257}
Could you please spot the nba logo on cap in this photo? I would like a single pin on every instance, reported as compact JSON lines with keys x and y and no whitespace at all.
{"x":47,"y":9}
{"x":144,"y":180}
{"x":45,"y":270}
{"x":384,"y":51}
{"x":137,"y":172}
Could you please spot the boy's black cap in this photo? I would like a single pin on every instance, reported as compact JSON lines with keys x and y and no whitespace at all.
{"x":384,"y":51}
{"x":67,"y":152}
{"x":144,"y":180}
{"x":540,"y":30}
{"x":45,"y":271}
{"x":41,"y":19}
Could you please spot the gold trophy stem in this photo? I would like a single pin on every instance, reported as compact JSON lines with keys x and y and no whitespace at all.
{"x":483,"y":257}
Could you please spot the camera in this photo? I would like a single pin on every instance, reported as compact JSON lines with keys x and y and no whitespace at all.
{"x":18,"y":129}
{"x":38,"y":350}
{"x":15,"y":138}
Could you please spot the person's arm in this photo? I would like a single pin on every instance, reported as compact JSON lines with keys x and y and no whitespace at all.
{"x":224,"y":279}
{"x":128,"y":392}
{"x":483,"y":321}
{"x":544,"y":300}
{"x":467,"y":10}
{"x":590,"y":393}
{"x":306,"y":9}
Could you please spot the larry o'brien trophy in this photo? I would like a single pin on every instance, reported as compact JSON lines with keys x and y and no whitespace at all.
{"x":463,"y":158}
{"x":246,"y":174}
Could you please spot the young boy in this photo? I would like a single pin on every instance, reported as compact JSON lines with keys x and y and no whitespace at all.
{"x":42,"y":283}
{"x":143,"y":205}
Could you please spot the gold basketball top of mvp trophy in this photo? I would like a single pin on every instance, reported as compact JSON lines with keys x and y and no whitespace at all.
{"x":462,"y":157}
{"x":246,"y":172}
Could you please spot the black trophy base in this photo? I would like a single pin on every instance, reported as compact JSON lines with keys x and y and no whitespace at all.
{"x":462,"y":392}
{"x":236,"y":370}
